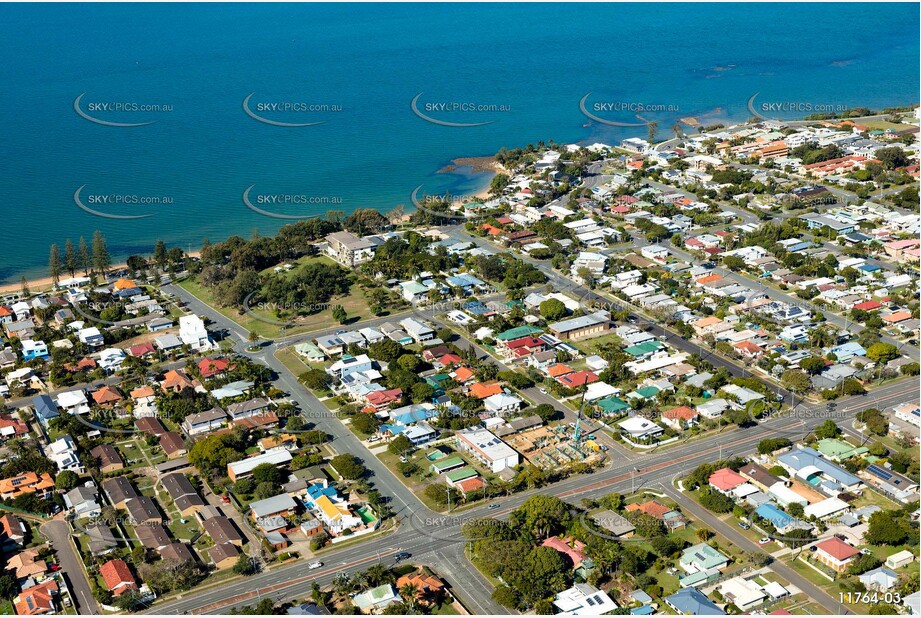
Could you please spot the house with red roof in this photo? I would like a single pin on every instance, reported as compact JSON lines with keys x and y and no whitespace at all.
{"x":558,"y":370}
{"x":381,"y":400}
{"x":578,"y":379}
{"x":141,"y":349}
{"x":680,"y":418}
{"x":725,"y":480}
{"x":524,"y":346}
{"x":749,"y":350}
{"x":482,"y":391}
{"x":37,"y":600}
{"x":867,"y":305}
{"x":651,"y":508}
{"x":84,"y":364}
{"x":462,"y":374}
{"x":835,"y":553}
{"x":117,"y":577}
{"x":210,"y":367}
{"x":449,"y":360}
{"x":471,"y":484}
{"x":11,"y":427}
{"x":107,"y":396}
{"x":572,"y":548}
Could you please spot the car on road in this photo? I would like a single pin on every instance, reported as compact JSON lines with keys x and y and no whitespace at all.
{"x":743,"y":525}
{"x":403,"y":555}
{"x":225,"y":498}
{"x":493,"y":506}
{"x":314,"y":565}
{"x":543,"y":390}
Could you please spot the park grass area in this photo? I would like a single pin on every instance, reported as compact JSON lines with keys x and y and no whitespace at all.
{"x":261,"y":320}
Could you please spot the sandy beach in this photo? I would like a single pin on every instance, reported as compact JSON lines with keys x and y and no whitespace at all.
{"x":43,"y":284}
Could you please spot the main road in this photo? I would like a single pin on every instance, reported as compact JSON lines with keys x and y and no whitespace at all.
{"x":435,"y":539}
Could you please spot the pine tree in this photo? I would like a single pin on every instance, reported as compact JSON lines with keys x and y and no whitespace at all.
{"x":70,"y":257}
{"x":101,"y":259}
{"x":83,"y":257}
{"x":54,"y":264}
{"x":160,"y":254}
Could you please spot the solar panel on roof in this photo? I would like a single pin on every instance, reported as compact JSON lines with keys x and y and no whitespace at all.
{"x":880,"y":472}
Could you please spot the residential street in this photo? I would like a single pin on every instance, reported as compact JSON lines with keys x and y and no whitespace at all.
{"x":58,"y":532}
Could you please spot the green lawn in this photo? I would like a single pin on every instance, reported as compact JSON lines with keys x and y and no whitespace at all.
{"x":354,"y":303}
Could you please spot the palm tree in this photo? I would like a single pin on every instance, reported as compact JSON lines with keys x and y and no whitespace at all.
{"x":342,"y":584}
{"x":410,"y":594}
{"x":377,"y":573}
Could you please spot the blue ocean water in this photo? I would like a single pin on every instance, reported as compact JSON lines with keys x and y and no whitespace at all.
{"x":366,"y":63}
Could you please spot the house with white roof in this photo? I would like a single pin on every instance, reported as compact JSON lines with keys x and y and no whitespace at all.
{"x":192,"y":332}
{"x":73,"y":402}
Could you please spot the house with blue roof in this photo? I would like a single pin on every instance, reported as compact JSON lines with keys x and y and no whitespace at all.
{"x":807,"y":464}
{"x":782,"y":521}
{"x":45,"y":409}
{"x":468,"y":283}
{"x":847,"y":351}
{"x":693,"y":602}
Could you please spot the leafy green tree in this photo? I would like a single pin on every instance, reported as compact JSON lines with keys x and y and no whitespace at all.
{"x":400,"y":445}
{"x":386,"y":350}
{"x":348,"y":466}
{"x":812,"y":366}
{"x":715,"y":501}
{"x":66,"y":480}
{"x":365,"y":423}
{"x":315,"y":379}
{"x":268,"y":473}
{"x":828,"y":429}
{"x":795,"y":380}
{"x":882,"y":352}
{"x":887,"y":528}
{"x":552,"y":309}
{"x":409,"y":362}
{"x":769,"y":445}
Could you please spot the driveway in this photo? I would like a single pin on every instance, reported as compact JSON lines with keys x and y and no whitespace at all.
{"x":58,"y":532}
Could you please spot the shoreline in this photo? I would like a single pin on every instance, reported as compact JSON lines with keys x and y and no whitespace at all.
{"x":43,"y":284}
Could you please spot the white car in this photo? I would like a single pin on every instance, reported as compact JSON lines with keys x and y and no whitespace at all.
{"x":314,"y":565}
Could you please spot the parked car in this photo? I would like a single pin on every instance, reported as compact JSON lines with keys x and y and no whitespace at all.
{"x":743,"y":525}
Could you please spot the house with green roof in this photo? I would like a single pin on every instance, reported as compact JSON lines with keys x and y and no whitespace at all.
{"x":463,"y":474}
{"x":613,"y":405}
{"x":642,"y":350}
{"x":702,"y":558}
{"x":310,"y":351}
{"x":435,"y":381}
{"x":377,"y":599}
{"x":839,"y":450}
{"x":645,"y":392}
{"x":448,"y":464}
{"x":518,"y":332}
